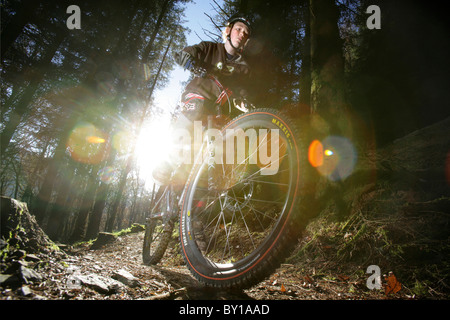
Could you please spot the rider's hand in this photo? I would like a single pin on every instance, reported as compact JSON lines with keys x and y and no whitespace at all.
{"x":189,"y":65}
{"x":185,"y":60}
{"x":188,"y":62}
{"x":242,"y":105}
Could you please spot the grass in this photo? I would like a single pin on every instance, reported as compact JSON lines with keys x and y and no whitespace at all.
{"x":393,"y":218}
{"x":383,"y":227}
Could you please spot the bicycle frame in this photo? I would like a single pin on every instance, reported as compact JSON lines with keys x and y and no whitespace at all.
{"x":169,"y":211}
{"x":213,"y":122}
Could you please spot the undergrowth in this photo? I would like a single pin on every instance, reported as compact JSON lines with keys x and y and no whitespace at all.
{"x":383,"y":228}
{"x":384,"y":215}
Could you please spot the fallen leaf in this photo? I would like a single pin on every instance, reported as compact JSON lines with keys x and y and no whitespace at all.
{"x":343,"y":277}
{"x":392,"y":284}
{"x":308,"y":279}
{"x":283,"y":289}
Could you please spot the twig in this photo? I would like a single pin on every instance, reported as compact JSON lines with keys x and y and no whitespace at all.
{"x":167,"y":295}
{"x":213,"y":22}
{"x":222,"y":11}
{"x":211,"y":35}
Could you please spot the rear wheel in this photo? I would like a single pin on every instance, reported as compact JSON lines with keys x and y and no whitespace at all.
{"x":236,"y":232}
{"x":158,"y":229}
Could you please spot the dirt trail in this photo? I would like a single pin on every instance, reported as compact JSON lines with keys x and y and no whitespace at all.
{"x":400,"y":222}
{"x":83,"y":273}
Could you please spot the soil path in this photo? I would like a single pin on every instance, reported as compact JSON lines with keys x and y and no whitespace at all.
{"x":83,"y":273}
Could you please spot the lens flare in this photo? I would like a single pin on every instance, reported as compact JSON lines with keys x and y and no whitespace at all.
{"x":335,"y":157}
{"x":147,"y":72}
{"x":315,"y":154}
{"x":87,"y":144}
{"x":107,"y":174}
{"x":122,"y":142}
{"x":94,"y":139}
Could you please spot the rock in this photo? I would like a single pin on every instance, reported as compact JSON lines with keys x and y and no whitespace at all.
{"x":29,"y":275}
{"x":9,"y":280}
{"x":98,"y":283}
{"x":91,"y":281}
{"x":103,"y":239}
{"x":126,"y":278}
{"x":32,"y":257}
{"x":14,"y":266}
{"x":20,"y":229}
{"x":136,"y":227}
{"x":25,"y":291}
{"x":18,"y":254}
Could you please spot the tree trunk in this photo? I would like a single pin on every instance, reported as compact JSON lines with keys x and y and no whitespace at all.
{"x":45,"y":192}
{"x":86,"y":206}
{"x":305,"y":72}
{"x":96,"y":216}
{"x":126,"y":171}
{"x":327,"y":63}
{"x":13,"y":29}
{"x":100,"y":201}
{"x":149,"y":46}
{"x":22,"y":105}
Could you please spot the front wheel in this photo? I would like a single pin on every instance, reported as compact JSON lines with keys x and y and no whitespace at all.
{"x":237,"y":231}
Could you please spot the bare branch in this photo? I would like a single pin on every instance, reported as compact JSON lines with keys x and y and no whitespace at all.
{"x":213,"y":36}
{"x":219,"y":8}
{"x":213,"y":22}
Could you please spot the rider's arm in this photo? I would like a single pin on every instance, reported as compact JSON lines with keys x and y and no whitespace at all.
{"x":192,"y":55}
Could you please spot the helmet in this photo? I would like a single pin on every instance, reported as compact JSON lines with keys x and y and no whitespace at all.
{"x":238,"y":17}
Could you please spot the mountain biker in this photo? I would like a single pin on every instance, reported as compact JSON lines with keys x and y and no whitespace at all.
{"x":224,"y":60}
{"x":226,"y":63}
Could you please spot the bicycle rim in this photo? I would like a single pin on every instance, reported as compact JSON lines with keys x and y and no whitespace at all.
{"x":233,"y":234}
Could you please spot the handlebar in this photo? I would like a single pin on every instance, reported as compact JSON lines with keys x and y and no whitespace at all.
{"x":241,"y":104}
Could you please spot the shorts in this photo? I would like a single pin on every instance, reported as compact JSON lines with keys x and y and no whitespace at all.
{"x":195,"y":107}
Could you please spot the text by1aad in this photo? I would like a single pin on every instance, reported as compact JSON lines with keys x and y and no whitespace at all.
{"x":239,"y":309}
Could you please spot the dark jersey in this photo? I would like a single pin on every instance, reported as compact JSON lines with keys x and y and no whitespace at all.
{"x":232,"y":71}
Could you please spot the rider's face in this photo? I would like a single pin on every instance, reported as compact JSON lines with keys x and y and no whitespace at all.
{"x":239,"y":34}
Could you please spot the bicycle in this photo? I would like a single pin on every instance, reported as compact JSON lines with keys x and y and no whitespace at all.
{"x":237,"y":224}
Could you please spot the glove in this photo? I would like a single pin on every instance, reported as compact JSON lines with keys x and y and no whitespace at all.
{"x":242,"y":105}
{"x":185,"y":60}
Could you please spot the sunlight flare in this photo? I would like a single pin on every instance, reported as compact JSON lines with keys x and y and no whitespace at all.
{"x":154,"y":146}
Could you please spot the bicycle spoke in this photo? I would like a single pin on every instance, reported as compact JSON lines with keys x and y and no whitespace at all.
{"x":237,"y":217}
{"x":240,"y":211}
{"x":259,"y":221}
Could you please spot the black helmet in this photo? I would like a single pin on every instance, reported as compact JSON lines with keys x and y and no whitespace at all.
{"x":238,"y":17}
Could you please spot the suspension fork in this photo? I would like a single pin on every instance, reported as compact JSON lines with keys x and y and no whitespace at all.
{"x":211,"y":155}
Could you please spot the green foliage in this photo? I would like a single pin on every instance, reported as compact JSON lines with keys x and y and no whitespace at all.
{"x":57,"y":82}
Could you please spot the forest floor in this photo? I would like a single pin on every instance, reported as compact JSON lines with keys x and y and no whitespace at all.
{"x":392,"y":213}
{"x":82,"y":273}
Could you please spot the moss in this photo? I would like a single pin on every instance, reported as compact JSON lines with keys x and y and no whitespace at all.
{"x":84,"y":243}
{"x":122,"y":232}
{"x":420,"y":289}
